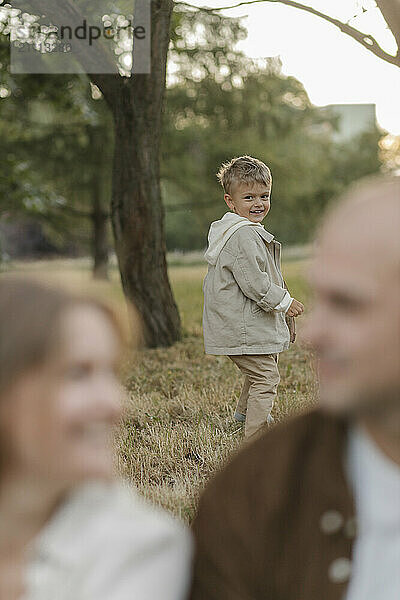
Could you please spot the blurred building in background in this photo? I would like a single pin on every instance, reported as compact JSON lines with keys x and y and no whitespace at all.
{"x":352,"y":120}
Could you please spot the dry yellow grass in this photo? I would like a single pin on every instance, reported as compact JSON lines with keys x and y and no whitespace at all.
{"x":179,"y":427}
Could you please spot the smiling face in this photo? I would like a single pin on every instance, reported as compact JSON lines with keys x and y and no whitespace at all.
{"x":355,"y":322}
{"x":59,"y":417}
{"x":250,"y":200}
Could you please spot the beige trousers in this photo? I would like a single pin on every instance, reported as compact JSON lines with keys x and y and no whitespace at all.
{"x":261,"y":379}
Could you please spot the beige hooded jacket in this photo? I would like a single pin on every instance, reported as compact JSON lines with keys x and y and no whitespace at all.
{"x":242,"y":290}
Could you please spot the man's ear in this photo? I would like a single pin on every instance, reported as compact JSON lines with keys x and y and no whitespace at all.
{"x":228,"y":200}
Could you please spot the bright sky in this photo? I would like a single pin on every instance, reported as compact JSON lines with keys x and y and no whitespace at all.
{"x":333,"y":68}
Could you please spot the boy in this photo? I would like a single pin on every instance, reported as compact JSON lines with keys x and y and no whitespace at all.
{"x":245,"y":297}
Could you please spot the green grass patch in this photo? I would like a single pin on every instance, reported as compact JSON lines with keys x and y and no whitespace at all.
{"x":179,"y":428}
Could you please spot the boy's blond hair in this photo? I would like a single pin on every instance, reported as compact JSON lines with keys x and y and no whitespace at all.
{"x":243,"y":169}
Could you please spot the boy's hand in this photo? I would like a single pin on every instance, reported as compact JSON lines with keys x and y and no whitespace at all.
{"x":295,"y":309}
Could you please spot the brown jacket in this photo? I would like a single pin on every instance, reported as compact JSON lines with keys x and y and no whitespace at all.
{"x":278,"y":522}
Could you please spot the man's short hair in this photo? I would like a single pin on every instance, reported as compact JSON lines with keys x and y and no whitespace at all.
{"x":244,"y":169}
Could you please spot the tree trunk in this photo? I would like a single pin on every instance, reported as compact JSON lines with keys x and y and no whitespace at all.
{"x":100,"y":238}
{"x":99,"y":189}
{"x":136,"y":208}
{"x":137,"y":211}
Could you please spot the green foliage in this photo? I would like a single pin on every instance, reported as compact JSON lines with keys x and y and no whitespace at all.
{"x":220,"y":104}
{"x":57,"y":151}
{"x":57,"y":140}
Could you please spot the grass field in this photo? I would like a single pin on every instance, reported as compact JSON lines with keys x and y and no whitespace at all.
{"x":179,"y":427}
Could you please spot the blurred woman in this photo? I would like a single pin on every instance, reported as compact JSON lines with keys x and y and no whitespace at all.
{"x":68,"y":528}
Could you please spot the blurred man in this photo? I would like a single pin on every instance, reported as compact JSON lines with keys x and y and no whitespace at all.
{"x":312,"y":509}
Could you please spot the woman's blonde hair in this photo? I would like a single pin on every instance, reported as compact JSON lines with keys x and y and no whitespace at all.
{"x":30,"y":315}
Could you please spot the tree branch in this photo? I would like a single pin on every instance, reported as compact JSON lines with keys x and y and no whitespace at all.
{"x":390,"y":10}
{"x":72,"y":211}
{"x":366,"y":40}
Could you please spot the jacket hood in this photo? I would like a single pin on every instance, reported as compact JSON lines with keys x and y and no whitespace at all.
{"x":220,"y":232}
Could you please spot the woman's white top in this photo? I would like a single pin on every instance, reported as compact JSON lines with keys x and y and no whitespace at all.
{"x":105,"y":543}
